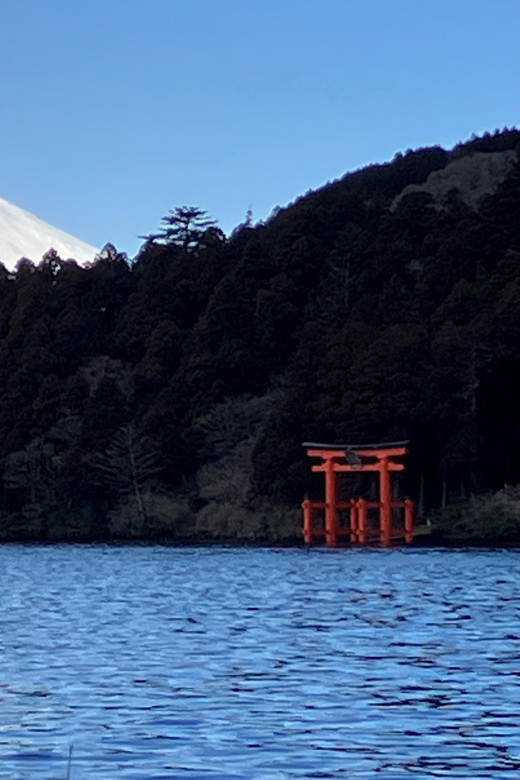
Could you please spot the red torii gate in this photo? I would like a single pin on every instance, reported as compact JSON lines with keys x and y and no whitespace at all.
{"x":337,"y":458}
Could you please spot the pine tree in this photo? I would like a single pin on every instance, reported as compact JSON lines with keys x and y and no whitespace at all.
{"x":128,"y":465}
{"x":187,"y":227}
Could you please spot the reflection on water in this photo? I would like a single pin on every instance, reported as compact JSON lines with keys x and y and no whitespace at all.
{"x":156,"y":662}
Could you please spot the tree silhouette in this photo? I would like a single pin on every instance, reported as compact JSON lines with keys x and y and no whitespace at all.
{"x":187,"y":227}
{"x":128,"y":465}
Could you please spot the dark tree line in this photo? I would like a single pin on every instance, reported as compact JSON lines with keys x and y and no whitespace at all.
{"x":357,"y":313}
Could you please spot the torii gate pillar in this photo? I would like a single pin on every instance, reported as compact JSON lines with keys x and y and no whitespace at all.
{"x":331,"y":505}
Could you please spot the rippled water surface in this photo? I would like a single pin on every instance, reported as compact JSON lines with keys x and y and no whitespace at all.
{"x":157,"y":662}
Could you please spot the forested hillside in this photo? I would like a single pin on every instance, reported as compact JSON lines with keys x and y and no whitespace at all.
{"x":169,"y":396}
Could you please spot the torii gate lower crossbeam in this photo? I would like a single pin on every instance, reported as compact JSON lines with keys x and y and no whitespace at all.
{"x":378,"y":458}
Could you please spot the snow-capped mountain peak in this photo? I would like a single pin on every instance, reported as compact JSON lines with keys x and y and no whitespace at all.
{"x":23,"y":234}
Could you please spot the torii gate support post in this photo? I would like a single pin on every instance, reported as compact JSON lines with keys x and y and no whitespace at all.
{"x":362,"y":521}
{"x":408,"y":520}
{"x":307,"y":521}
{"x":354,"y":520}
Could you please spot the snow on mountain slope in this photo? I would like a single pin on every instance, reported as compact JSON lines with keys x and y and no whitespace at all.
{"x":22,"y":234}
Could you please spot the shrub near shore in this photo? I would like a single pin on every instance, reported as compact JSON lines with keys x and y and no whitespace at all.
{"x":493,"y":518}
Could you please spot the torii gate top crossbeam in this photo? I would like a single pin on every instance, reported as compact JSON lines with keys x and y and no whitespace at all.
{"x":358,"y":457}
{"x":379,"y":446}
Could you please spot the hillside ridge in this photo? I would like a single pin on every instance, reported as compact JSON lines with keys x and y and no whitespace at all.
{"x":473,"y":176}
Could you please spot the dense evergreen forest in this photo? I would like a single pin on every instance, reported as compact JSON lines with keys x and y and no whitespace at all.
{"x":168,"y":397}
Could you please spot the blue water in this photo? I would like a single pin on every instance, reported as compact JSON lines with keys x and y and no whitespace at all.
{"x":156,"y":662}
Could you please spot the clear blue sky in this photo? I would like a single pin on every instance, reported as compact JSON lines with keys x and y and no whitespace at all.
{"x":112,"y":112}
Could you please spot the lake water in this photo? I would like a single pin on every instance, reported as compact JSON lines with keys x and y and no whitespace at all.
{"x":159,"y":662}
